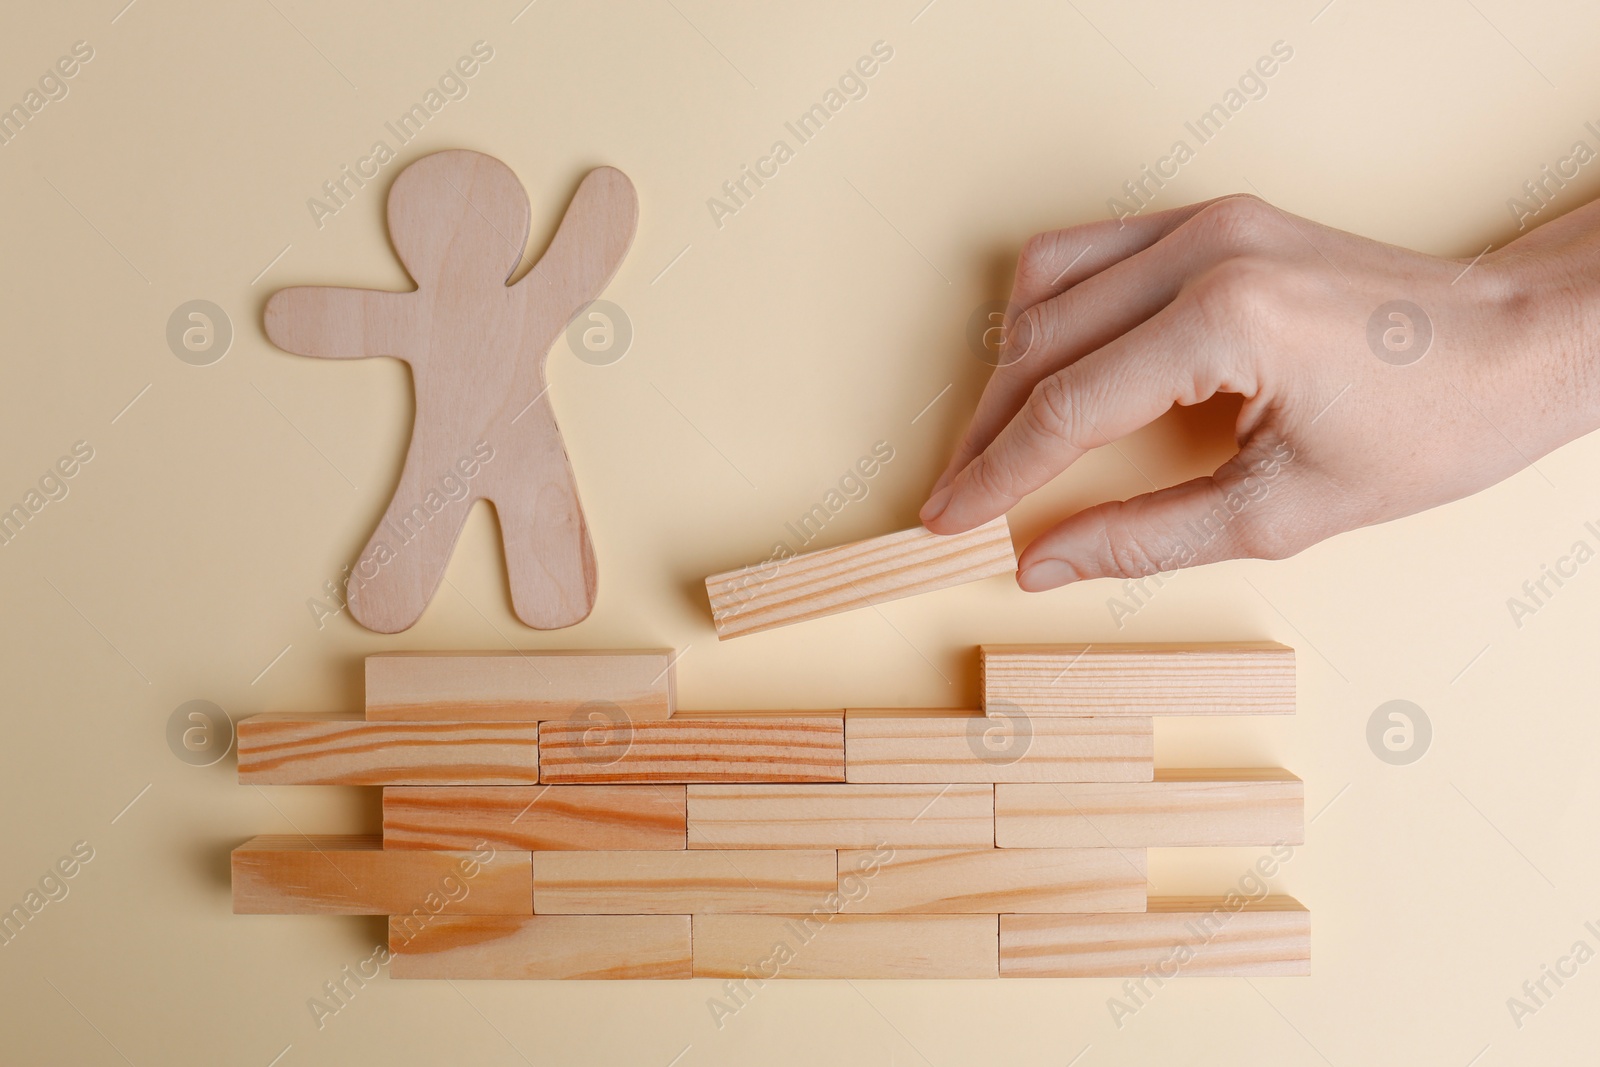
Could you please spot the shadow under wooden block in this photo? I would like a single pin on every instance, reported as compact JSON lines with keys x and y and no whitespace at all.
{"x":519,"y":686}
{"x":846,"y":946}
{"x":1238,"y":678}
{"x":767,"y":595}
{"x":536,"y":817}
{"x":291,"y":749}
{"x":893,"y":745}
{"x":1200,"y":936}
{"x":717,"y":748}
{"x":543,"y":947}
{"x":841,"y":816}
{"x":967,"y":881}
{"x":353,"y":875}
{"x":1208,"y":806}
{"x":777,"y":881}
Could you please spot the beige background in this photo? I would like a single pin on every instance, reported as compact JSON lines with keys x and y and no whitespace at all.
{"x":822,"y":318}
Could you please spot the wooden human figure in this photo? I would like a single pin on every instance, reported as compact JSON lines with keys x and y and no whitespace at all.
{"x":484,"y":428}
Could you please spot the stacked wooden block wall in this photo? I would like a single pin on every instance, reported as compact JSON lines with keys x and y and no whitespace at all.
{"x":553,"y":815}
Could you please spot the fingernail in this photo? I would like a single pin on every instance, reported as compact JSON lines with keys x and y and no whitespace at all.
{"x":1046,"y":574}
{"x":936,"y":504}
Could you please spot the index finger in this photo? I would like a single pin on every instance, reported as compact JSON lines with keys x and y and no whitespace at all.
{"x":1050,"y":264}
{"x":1105,"y":395}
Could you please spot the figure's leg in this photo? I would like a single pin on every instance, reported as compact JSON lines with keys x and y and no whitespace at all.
{"x":549,"y":558}
{"x":404,"y":562}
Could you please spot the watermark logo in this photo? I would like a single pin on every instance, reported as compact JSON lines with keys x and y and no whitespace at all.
{"x":853,"y":486}
{"x":601,"y":334}
{"x":1002,"y":736}
{"x":199,"y":332}
{"x":452,"y":888}
{"x":453,"y":84}
{"x":1142,"y":189}
{"x":52,"y":888}
{"x":51,"y":86}
{"x":199,"y":733}
{"x":1252,"y":886}
{"x":1399,"y":333}
{"x":990,"y":326}
{"x":1538,"y":991}
{"x":1399,"y":732}
{"x":609,"y":735}
{"x":851,"y":87}
{"x":798,"y":931}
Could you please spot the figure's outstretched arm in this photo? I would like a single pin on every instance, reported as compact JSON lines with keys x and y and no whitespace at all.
{"x":333,"y":323}
{"x":589,"y":246}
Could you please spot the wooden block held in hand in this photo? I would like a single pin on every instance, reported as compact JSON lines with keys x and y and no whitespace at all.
{"x":286,"y":874}
{"x":1221,"y":806}
{"x":808,"y":586}
{"x":799,"y":748}
{"x":535,"y":817}
{"x":846,"y":946}
{"x":674,"y":883}
{"x":1236,"y":678}
{"x":841,"y":816}
{"x":519,"y":686}
{"x":967,"y":881}
{"x":1196,"y":936}
{"x":290,"y":749}
{"x":543,"y":946}
{"x":888,"y":745}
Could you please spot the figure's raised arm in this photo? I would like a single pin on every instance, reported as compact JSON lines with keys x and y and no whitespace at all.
{"x":333,"y":323}
{"x":589,"y":246}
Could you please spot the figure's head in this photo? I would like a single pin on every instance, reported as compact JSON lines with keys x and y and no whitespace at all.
{"x":458,"y":214}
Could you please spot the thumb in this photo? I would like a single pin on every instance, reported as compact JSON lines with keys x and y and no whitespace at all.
{"x":1239,"y":512}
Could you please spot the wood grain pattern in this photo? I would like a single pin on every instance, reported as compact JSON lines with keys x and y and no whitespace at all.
{"x":775,"y":881}
{"x":1222,"y":806}
{"x":808,"y":586}
{"x":353,"y":875}
{"x":1176,"y":936}
{"x":520,"y":686}
{"x":484,"y":426}
{"x":846,"y":946}
{"x":543,"y":947}
{"x":889,"y":745}
{"x":841,"y":816}
{"x":807,"y":748}
{"x":290,"y":749}
{"x":1238,"y":678}
{"x":968,"y":881}
{"x":536,"y":818}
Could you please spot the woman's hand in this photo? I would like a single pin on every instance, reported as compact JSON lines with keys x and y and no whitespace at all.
{"x":1378,"y":382}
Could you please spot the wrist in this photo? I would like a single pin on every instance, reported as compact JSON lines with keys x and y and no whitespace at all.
{"x":1541,"y":320}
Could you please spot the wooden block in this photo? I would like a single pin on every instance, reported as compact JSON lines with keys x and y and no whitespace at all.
{"x":888,"y":745}
{"x":967,"y":881}
{"x":521,"y":686}
{"x":841,"y":816}
{"x":846,"y":946}
{"x":543,"y":946}
{"x":483,"y":428}
{"x":808,"y":586}
{"x":801,"y":748}
{"x":536,"y":817}
{"x":1222,"y":806}
{"x":289,"y":749}
{"x":354,"y":875}
{"x":675,"y":883}
{"x":1176,"y":936}
{"x":1241,"y":678}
